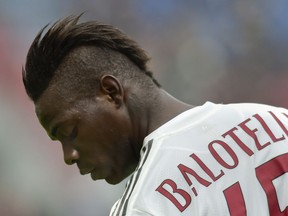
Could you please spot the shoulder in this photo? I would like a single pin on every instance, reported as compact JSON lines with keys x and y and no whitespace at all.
{"x":210,"y":112}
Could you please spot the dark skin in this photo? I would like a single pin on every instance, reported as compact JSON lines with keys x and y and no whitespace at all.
{"x":103,"y":135}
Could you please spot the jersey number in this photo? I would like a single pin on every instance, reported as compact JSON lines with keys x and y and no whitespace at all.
{"x":265,"y":173}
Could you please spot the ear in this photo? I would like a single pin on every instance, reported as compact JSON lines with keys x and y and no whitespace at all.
{"x":112,"y":88}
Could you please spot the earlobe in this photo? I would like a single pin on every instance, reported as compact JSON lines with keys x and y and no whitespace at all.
{"x":112,"y":88}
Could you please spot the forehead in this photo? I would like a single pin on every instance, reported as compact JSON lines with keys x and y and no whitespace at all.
{"x":51,"y":106}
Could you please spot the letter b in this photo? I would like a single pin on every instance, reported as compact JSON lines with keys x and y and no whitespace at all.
{"x":175,"y":190}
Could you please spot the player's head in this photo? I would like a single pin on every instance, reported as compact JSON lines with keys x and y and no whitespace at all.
{"x":87,"y":81}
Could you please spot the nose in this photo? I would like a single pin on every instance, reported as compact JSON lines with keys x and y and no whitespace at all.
{"x":71,"y":155}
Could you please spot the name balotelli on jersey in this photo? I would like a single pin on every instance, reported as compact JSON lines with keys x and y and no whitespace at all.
{"x":224,"y":153}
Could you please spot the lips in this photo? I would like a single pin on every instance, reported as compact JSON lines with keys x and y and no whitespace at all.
{"x":85,"y":171}
{"x":96,"y":175}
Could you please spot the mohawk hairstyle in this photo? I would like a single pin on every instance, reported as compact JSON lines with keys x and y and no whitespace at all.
{"x":47,"y":52}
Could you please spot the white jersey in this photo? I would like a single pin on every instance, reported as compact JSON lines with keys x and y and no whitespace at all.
{"x":213,"y":160}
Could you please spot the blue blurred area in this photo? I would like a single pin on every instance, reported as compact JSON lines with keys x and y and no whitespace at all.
{"x":218,"y":50}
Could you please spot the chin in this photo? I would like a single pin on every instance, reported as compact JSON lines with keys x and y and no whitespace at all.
{"x":113,"y":181}
{"x":116,"y":179}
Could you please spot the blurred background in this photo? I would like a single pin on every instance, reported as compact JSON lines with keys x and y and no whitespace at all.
{"x":218,"y":50}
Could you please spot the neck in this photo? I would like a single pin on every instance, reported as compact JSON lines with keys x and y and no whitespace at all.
{"x":166,"y":108}
{"x":149,"y":114}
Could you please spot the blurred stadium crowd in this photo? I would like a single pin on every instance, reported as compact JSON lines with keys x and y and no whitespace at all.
{"x":218,"y":50}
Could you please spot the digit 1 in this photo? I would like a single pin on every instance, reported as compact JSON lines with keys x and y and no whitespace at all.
{"x":235,"y":200}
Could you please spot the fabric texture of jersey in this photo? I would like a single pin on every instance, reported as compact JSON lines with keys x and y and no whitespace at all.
{"x":214,"y":160}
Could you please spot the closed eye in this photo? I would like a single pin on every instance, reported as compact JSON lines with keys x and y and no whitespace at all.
{"x":54,"y":133}
{"x":62,"y":132}
{"x":73,"y":133}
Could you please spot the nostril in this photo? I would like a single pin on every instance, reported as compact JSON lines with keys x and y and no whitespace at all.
{"x":70,"y":161}
{"x":73,"y":161}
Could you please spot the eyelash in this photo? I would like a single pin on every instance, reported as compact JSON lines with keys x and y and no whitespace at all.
{"x":74,"y":133}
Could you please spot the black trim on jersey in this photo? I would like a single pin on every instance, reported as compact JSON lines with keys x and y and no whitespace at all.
{"x":131,"y":184}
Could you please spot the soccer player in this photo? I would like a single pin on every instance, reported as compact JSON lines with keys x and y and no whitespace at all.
{"x":92,"y":91}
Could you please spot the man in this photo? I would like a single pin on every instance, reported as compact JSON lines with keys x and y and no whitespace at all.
{"x":93,"y":92}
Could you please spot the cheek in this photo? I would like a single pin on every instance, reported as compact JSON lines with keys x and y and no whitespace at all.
{"x":98,"y":140}
{"x":105,"y":129}
{"x":114,"y":125}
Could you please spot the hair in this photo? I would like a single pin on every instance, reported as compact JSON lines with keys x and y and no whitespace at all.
{"x":65,"y":35}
